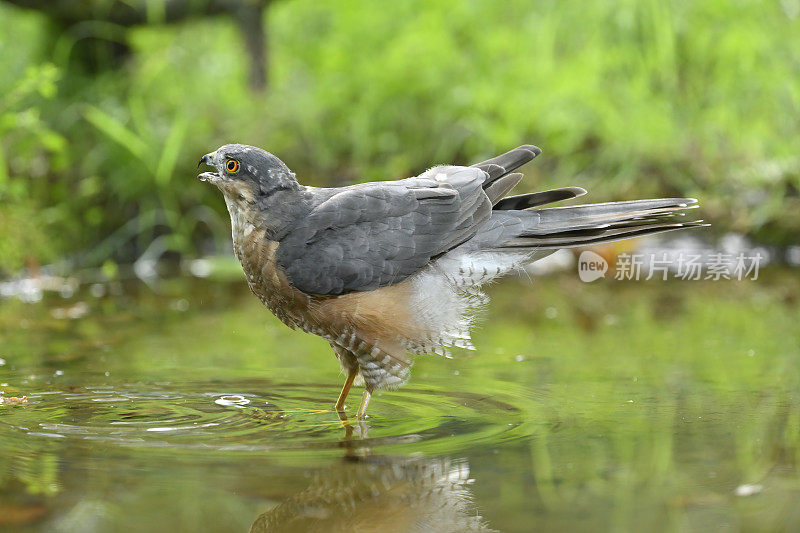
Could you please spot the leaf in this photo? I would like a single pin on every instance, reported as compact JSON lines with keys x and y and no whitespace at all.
{"x":172,"y":149}
{"x":120,"y":134}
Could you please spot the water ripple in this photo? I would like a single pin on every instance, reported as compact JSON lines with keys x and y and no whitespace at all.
{"x":241,"y":416}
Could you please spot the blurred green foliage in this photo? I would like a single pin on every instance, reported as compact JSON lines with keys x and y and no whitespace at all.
{"x":627,"y":98}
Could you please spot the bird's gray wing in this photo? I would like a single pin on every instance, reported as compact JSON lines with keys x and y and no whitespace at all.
{"x":377,"y":234}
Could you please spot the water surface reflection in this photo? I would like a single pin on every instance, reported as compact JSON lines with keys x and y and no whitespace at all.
{"x":365,"y":492}
{"x":612,"y":406}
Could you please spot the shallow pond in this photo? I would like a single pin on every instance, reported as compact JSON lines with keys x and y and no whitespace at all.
{"x":626,"y":406}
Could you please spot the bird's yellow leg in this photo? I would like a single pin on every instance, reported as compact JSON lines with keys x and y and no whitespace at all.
{"x":345,"y":389}
{"x":362,"y":409}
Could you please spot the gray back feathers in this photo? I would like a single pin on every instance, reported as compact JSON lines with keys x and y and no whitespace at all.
{"x":358,"y":238}
{"x":376,"y":234}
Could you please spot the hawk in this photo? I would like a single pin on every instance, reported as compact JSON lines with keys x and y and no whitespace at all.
{"x":391,"y":269}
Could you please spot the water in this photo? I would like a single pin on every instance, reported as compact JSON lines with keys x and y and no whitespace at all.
{"x":604,"y":406}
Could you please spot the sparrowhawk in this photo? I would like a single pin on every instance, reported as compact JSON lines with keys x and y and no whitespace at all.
{"x":386,"y":270}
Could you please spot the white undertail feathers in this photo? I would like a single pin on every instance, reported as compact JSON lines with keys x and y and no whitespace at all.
{"x":447,"y":296}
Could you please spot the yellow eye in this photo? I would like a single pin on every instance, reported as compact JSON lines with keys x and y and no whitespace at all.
{"x":232,"y":166}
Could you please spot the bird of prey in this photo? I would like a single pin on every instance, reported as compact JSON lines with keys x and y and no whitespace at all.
{"x":386,"y":270}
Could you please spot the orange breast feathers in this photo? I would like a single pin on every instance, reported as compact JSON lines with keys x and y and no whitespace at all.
{"x":382,"y":317}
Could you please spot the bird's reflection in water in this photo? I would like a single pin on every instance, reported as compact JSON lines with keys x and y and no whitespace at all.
{"x":366,"y":492}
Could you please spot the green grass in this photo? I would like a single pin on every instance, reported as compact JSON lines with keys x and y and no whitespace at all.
{"x":626,"y":98}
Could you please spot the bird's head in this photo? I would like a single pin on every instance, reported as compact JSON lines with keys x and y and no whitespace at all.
{"x":246,"y":173}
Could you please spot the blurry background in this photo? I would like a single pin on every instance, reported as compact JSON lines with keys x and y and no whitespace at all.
{"x":106,"y":105}
{"x":180,"y":404}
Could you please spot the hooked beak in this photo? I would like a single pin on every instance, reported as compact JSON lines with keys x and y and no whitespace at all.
{"x":208,"y":159}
